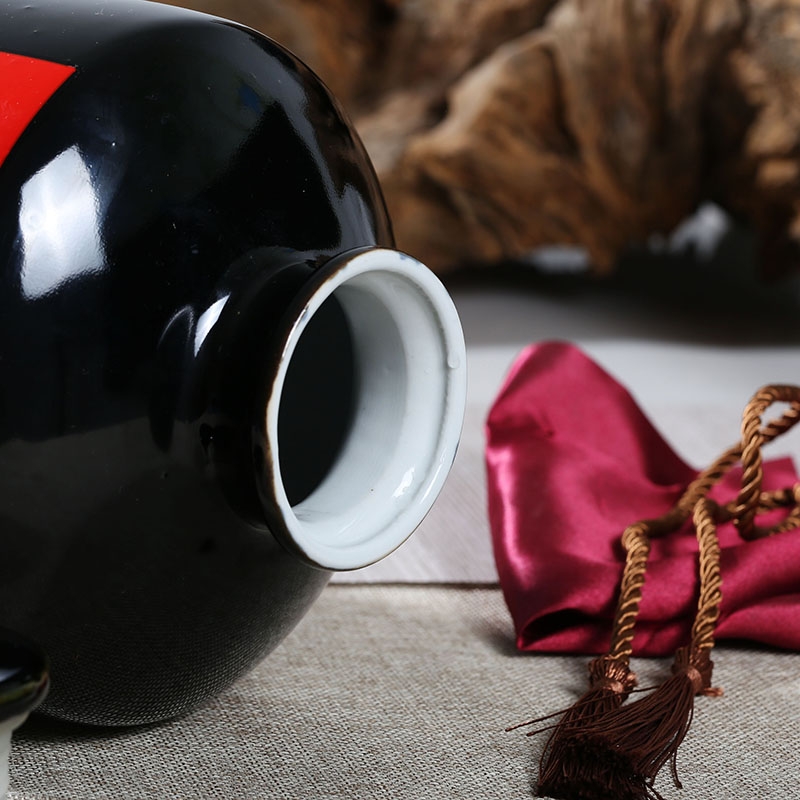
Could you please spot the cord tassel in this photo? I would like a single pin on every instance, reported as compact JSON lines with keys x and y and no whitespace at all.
{"x":622,"y":752}
{"x":604,"y":749}
{"x":610,"y":681}
{"x":628,"y":747}
{"x":562,"y":770}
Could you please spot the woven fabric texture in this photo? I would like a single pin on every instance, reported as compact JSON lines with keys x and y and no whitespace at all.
{"x":403,"y":692}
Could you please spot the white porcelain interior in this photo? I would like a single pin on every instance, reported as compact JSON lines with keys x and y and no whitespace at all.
{"x":410,"y":394}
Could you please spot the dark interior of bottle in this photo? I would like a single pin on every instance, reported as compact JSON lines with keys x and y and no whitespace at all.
{"x":317,"y":401}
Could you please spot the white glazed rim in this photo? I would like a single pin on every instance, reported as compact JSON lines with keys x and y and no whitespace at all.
{"x":411,"y":362}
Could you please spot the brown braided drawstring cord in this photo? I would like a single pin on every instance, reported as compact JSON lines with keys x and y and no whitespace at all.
{"x":602,"y":748}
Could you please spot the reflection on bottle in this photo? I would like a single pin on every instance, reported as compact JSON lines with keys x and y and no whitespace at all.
{"x":206,"y":322}
{"x":59,"y":222}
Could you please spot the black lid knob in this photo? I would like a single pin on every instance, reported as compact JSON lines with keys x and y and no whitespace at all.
{"x":24,"y":674}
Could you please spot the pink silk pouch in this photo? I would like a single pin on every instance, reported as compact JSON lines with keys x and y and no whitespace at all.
{"x":571,"y":461}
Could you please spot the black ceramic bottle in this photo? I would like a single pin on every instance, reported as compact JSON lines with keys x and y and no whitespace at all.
{"x":218,"y":382}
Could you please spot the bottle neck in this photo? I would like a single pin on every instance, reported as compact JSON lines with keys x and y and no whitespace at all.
{"x":393,"y":412}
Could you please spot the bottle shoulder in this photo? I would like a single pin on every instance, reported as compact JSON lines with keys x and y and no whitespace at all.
{"x":82,"y":31}
{"x":181,"y":123}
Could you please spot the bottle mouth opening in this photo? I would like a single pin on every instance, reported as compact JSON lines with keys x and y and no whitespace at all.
{"x":364,"y":415}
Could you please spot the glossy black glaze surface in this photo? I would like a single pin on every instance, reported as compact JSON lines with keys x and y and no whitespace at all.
{"x":155,"y":219}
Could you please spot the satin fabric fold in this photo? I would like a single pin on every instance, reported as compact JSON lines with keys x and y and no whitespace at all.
{"x":571,"y":461}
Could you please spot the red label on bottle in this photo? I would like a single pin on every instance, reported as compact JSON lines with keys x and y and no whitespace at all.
{"x":26,"y":84}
